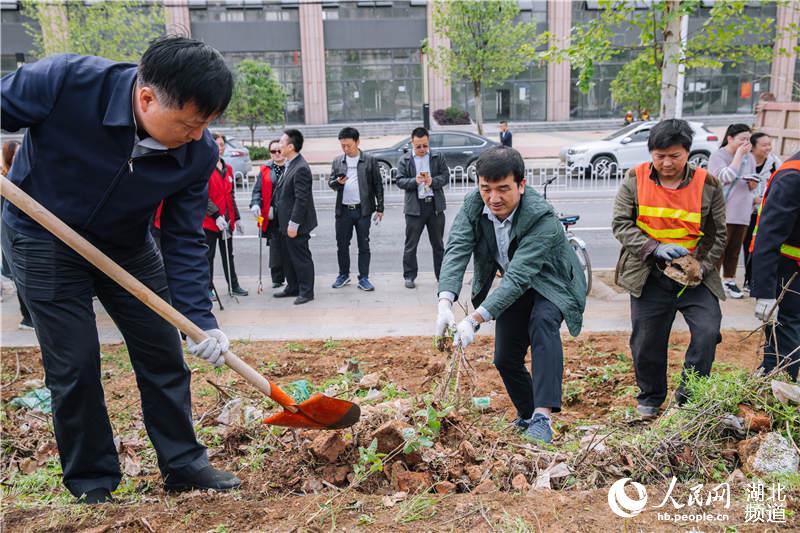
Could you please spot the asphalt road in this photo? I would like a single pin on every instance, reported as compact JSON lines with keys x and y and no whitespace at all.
{"x":386,"y":239}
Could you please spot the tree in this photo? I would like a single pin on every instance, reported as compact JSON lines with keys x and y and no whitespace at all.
{"x":728,"y":33}
{"x":487,"y":45}
{"x":258,"y":97}
{"x":120,"y":30}
{"x":637,"y":86}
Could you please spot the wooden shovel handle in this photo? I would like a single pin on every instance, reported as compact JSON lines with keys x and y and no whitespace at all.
{"x":71,"y":238}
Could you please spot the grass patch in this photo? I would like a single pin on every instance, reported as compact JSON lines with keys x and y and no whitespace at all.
{"x":420,"y":507}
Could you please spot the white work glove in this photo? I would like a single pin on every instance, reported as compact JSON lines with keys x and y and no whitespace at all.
{"x":212,"y":349}
{"x":445,"y":317}
{"x":222,"y":224}
{"x":763,"y":306}
{"x":668,"y":252}
{"x":255,"y":210}
{"x":240,"y":229}
{"x":465,"y":333}
{"x":271,"y":215}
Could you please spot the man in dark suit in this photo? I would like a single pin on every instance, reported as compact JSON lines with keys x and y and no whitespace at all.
{"x":296,"y":219}
{"x":505,"y":134}
{"x":423,"y":175}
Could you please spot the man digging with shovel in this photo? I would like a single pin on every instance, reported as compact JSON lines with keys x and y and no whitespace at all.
{"x":670,"y":219}
{"x":106,"y":142}
{"x":509,"y":228}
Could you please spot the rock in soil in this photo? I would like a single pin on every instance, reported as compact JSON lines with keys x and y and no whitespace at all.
{"x":328,"y":446}
{"x":768,"y":453}
{"x":474,"y":473}
{"x":335,"y":475}
{"x":468,"y":452}
{"x":389,"y":435}
{"x":411,"y":482}
{"x":785,"y":392}
{"x":755,"y":421}
{"x":445,"y":487}
{"x":485,"y":487}
{"x":520,"y":483}
{"x":369,"y":381}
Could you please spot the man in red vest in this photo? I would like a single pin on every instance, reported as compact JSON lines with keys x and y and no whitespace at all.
{"x":666,"y":209}
{"x":776,"y":258}
{"x":262,"y":204}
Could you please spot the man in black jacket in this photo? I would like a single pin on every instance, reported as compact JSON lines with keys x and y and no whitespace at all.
{"x":296,"y":218}
{"x":142,"y":130}
{"x":423,"y":175}
{"x":272,"y":170}
{"x":356,"y":178}
{"x":776,"y":258}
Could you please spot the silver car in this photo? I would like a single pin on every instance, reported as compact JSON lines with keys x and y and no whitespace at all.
{"x":238,"y":157}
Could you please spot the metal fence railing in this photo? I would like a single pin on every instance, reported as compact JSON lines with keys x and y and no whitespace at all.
{"x":565,"y":178}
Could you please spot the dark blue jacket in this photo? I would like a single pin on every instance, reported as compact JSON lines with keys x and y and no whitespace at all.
{"x":779,"y":224}
{"x":76,"y":161}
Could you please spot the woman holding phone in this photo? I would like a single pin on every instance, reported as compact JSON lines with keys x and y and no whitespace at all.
{"x":734,"y":166}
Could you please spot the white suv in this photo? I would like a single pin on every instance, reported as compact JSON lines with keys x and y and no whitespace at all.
{"x":627,"y":147}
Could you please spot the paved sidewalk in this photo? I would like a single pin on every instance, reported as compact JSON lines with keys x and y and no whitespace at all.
{"x":392,"y":310}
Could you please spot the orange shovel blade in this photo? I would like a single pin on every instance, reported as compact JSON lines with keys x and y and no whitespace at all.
{"x":318,"y":412}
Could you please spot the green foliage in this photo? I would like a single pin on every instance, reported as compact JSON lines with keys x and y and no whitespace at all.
{"x":330,"y":344}
{"x":258,"y":98}
{"x":426,"y":429}
{"x":487,"y":45}
{"x":120,"y":30}
{"x":295,"y":347}
{"x":369,"y":461}
{"x":259,"y":153}
{"x":420,"y":507}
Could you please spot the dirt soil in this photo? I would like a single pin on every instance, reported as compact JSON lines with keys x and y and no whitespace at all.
{"x":295,"y":480}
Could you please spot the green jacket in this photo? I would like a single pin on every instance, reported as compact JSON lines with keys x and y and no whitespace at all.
{"x":635,"y":257}
{"x":540,"y":259}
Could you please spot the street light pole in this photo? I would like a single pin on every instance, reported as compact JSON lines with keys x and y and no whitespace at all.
{"x":426,"y":107}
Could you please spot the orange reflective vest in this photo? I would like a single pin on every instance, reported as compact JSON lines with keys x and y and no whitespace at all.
{"x":792,"y":251}
{"x":670,"y":215}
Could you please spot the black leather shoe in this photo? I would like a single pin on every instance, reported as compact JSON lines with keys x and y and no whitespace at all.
{"x":238,"y":291}
{"x":300,"y":300}
{"x":95,"y":496}
{"x":207,"y":478}
{"x":284,"y":294}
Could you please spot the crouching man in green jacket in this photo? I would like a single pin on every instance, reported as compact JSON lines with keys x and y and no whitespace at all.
{"x":507,"y":226}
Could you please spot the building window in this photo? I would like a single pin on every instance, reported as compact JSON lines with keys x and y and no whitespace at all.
{"x":365,"y":85}
{"x":224,"y":11}
{"x":288,"y":70}
{"x":523,"y":97}
{"x":729,"y":90}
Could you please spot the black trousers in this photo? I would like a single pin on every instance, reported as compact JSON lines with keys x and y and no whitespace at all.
{"x":748,"y":236}
{"x":785,"y":338}
{"x":298,"y":265}
{"x":275,"y":263}
{"x":349,"y":219}
{"x":652,"y":315}
{"x":428,"y":218}
{"x":213,"y":239}
{"x":57,"y":284}
{"x":531,"y":321}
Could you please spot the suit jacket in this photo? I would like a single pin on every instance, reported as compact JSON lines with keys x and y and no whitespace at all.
{"x":506,"y":138}
{"x":295,"y":199}
{"x":407,"y":180}
{"x":77,"y":161}
{"x":370,"y":183}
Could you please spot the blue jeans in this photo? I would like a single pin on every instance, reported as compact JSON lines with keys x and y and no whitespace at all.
{"x":57,"y":285}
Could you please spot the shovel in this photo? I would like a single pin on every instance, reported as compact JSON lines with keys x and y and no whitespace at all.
{"x":318,"y":412}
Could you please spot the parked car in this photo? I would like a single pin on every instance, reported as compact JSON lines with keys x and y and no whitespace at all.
{"x":237,"y":156}
{"x":627,"y":147}
{"x":460,"y":148}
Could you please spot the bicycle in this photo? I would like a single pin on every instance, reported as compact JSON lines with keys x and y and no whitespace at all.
{"x":577,"y":244}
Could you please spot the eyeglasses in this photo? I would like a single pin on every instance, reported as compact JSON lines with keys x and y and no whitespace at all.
{"x":274,"y":151}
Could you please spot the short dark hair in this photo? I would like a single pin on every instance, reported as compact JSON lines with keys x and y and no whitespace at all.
{"x":420,"y":132}
{"x":295,"y":138}
{"x":734,"y":130}
{"x":273,"y":141}
{"x":182,"y":70}
{"x":498,"y":162}
{"x":348,"y":133}
{"x":504,"y":122}
{"x":756,"y":136}
{"x":670,"y":132}
{"x":216,"y":136}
